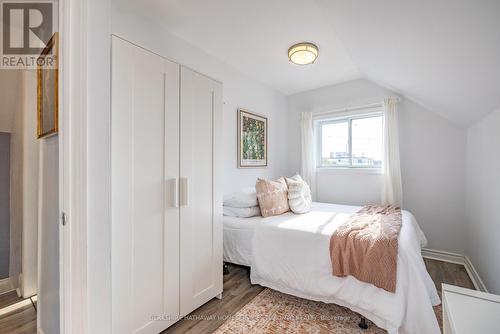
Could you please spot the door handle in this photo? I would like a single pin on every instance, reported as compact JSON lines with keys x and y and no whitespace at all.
{"x":174,"y":192}
{"x":184,"y":191}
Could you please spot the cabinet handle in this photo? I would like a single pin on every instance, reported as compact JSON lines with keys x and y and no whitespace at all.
{"x":184,"y":191}
{"x":175,"y":192}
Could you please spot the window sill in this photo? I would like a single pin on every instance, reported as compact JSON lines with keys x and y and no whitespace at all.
{"x":348,"y":170}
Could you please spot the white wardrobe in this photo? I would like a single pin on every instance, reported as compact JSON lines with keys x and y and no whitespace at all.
{"x":166,"y":194}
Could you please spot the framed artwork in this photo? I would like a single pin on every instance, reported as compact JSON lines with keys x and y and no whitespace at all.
{"x":252,"y":140}
{"x":47,"y":92}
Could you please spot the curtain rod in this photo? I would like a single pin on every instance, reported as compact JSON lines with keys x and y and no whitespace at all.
{"x":371,"y":105}
{"x":347,"y":109}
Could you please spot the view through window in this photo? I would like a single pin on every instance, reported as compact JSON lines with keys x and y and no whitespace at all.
{"x":355,"y":141}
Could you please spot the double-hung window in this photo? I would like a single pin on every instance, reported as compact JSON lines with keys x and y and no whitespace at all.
{"x":353,"y":141}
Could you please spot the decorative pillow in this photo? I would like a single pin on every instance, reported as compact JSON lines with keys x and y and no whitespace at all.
{"x":241,"y":212}
{"x":299,"y":194}
{"x":272,"y":197}
{"x":243,"y":198}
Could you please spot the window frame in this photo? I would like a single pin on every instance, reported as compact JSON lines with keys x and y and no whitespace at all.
{"x":332,"y":119}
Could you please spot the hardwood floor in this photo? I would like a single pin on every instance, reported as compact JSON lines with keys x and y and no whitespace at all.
{"x":20,"y":321}
{"x":238,"y":292}
{"x":448,"y":273}
{"x":9,"y":298}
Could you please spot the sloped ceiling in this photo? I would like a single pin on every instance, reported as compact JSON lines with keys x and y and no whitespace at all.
{"x":444,"y":55}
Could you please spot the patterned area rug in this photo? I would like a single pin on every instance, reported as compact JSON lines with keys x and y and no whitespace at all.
{"x":275,"y":312}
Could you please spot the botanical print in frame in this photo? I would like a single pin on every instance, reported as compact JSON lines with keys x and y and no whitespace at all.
{"x":252,"y":140}
{"x":47,"y":92}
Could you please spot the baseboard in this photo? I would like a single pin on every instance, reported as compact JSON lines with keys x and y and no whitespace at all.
{"x":443,"y":256}
{"x":458,"y":259}
{"x":15,"y":306}
{"x":474,"y":275}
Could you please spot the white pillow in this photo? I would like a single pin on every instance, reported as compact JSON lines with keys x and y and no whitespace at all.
{"x":241,"y":212}
{"x":299,"y":194}
{"x":243,"y":198}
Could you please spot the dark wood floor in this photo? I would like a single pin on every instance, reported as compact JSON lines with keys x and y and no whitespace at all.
{"x":238,"y":292}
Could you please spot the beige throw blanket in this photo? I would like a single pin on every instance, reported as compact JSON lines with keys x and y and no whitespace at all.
{"x":366,"y":246}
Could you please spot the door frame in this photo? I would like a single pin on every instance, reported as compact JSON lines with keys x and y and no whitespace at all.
{"x":72,"y":244}
{"x":84,"y":166}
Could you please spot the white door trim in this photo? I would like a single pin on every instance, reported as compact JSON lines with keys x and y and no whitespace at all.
{"x":72,"y":149}
{"x":85,"y":241}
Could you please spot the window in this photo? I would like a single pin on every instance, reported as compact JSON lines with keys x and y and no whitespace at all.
{"x":350,"y":142}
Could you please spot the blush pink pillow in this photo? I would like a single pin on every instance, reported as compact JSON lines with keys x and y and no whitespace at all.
{"x":272,"y":197}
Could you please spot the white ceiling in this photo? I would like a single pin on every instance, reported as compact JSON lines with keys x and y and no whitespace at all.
{"x":254,"y":37}
{"x":443,"y":54}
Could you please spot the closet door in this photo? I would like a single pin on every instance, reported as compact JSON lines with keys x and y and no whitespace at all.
{"x":145,"y":167}
{"x":201,"y":198}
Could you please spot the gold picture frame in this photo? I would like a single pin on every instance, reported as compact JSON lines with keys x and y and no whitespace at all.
{"x":252,"y":140}
{"x":48,"y":92}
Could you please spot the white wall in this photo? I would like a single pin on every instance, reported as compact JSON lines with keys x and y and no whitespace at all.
{"x":16,"y":189}
{"x":433,"y":171}
{"x":238,"y":91}
{"x":10,"y":81}
{"x":483,"y":198}
{"x":48,"y":236}
{"x":18,"y":117}
{"x":30,"y":184}
{"x":432,"y":162}
{"x":24,"y":183}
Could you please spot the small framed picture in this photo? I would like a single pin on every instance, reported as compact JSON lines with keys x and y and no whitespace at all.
{"x":47,"y":92}
{"x":252,"y":140}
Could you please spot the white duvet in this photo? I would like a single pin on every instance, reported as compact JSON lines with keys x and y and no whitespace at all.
{"x":290,"y":253}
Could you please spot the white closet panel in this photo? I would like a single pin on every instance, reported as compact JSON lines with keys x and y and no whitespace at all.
{"x":201,"y":199}
{"x":166,"y":197}
{"x":145,"y":155}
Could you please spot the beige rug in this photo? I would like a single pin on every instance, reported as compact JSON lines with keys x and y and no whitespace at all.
{"x":275,"y":312}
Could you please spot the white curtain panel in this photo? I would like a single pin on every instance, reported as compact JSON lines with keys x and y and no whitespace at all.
{"x":308,"y":170}
{"x":392,"y":189}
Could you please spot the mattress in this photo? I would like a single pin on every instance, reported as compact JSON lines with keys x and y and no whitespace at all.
{"x":289,"y":253}
{"x":238,"y":232}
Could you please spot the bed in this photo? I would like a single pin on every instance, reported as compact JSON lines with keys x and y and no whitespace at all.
{"x":290,"y":253}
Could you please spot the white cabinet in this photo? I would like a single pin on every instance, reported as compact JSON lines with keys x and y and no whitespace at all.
{"x":468,"y":311}
{"x":166,"y":202}
{"x":201,"y":226}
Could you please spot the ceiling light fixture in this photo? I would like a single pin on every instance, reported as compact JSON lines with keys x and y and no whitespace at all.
{"x":303,"y":53}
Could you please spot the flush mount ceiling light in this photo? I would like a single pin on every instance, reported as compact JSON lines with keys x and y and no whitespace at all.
{"x":303,"y":53}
